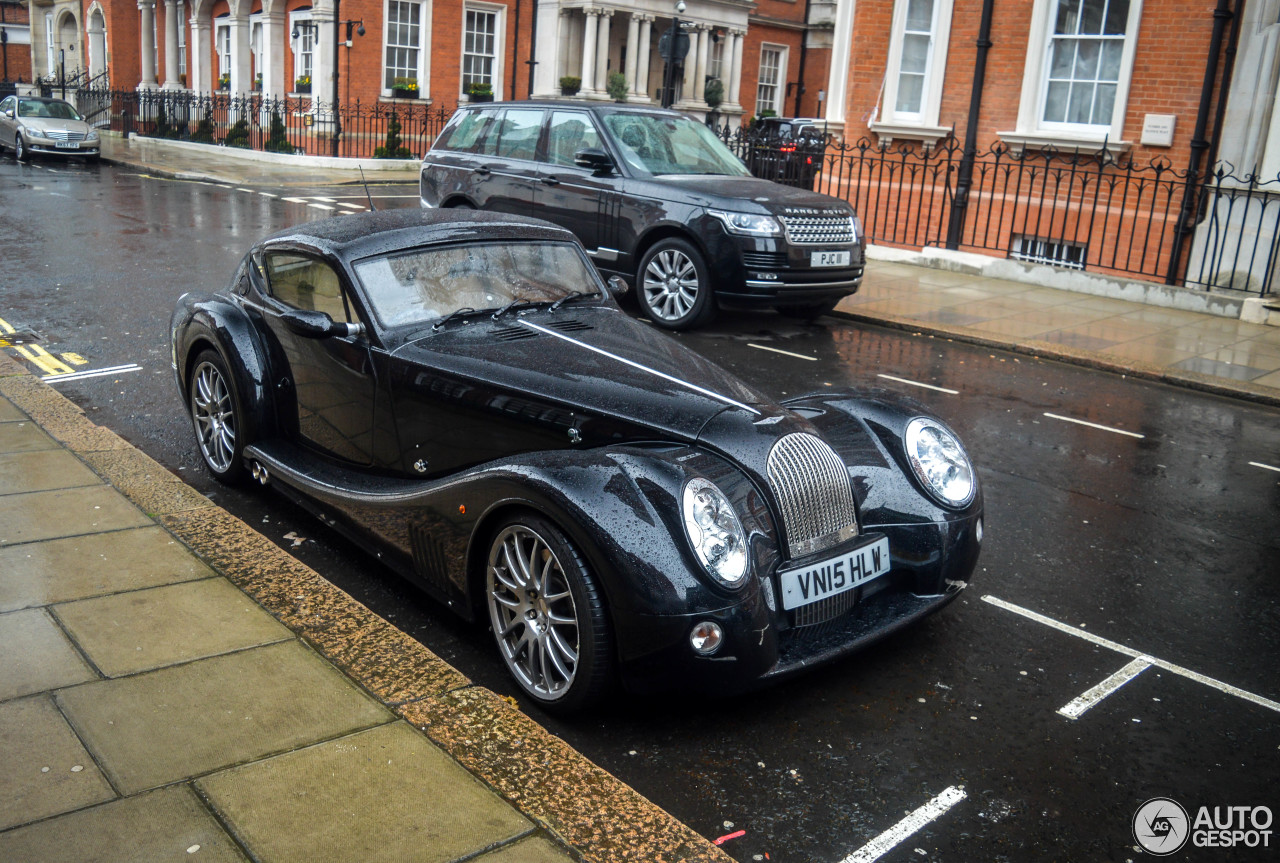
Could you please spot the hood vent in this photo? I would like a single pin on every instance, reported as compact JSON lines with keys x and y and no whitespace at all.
{"x":514,"y":334}
{"x":570,"y":326}
{"x":811,"y":484}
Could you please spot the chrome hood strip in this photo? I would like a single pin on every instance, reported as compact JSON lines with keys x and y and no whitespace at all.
{"x":635,"y":365}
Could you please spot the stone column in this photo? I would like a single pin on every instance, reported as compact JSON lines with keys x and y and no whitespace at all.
{"x":200,"y":63}
{"x":241,"y":56}
{"x":690,"y":66}
{"x":700,"y":73}
{"x":633,"y":56}
{"x":602,"y":50}
{"x":172,"y":21}
{"x":643,"y":58}
{"x":735,"y":67}
{"x":148,"y":44}
{"x":273,"y":48}
{"x":562,"y":46}
{"x":322,"y":59}
{"x":589,"y":50}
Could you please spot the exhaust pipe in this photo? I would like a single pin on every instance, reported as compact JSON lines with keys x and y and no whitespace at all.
{"x":260,"y":473}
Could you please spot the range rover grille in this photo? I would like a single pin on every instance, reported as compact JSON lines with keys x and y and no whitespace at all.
{"x":818,"y":230}
{"x":765,"y":260}
{"x":813,"y":491}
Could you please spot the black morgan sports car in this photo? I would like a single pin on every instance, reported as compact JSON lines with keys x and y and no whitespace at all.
{"x":463,"y":396}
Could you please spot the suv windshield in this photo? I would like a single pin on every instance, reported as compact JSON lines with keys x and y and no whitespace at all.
{"x":661,"y":144}
{"x":426,"y":284}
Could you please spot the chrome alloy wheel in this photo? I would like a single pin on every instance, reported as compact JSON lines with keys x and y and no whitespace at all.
{"x":671,"y":284}
{"x":535,"y":620}
{"x":213,"y":413}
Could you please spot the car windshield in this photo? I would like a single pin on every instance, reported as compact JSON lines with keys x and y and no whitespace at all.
{"x":424,"y":285}
{"x":661,"y":144}
{"x":41,"y":108}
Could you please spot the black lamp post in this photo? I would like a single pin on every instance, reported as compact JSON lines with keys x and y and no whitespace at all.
{"x":4,"y":47}
{"x":673,"y":45}
{"x":338,"y":23}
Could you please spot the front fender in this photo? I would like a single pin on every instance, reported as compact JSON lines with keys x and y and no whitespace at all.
{"x":201,"y":321}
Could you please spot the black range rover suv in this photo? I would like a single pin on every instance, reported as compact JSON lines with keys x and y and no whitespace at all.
{"x":656,"y":198}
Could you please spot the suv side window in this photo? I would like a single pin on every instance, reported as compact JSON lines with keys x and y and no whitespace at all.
{"x":305,"y":283}
{"x":569,"y":132}
{"x":467,"y":132}
{"x":518,"y":133}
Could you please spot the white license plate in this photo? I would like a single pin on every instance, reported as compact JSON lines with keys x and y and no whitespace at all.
{"x":67,"y":145}
{"x":830,"y":259}
{"x":834,"y":575}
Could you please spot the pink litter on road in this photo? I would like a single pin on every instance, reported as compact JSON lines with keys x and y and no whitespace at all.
{"x":724,"y":839}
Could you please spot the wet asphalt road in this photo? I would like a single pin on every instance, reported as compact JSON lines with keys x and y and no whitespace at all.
{"x":1166,"y":545}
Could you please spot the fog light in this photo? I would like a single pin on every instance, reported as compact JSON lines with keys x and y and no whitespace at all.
{"x":706,"y":638}
{"x":977,"y":531}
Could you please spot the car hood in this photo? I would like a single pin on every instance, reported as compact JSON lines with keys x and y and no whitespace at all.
{"x":746,"y":194}
{"x":593,"y":362}
{"x":52,"y":124}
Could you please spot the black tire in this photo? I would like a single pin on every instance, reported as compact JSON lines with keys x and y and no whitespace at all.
{"x":809,"y":311}
{"x":548,"y":615}
{"x":20,"y":153}
{"x":216,"y":417}
{"x":674,"y":285}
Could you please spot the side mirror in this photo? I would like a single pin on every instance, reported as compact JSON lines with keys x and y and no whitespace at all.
{"x":317,"y":325}
{"x":593,"y":159}
{"x":618,"y":286}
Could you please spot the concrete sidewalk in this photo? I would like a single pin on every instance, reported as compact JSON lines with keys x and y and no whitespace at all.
{"x":176,"y":686}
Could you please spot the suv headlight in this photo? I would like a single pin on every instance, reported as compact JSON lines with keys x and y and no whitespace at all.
{"x":715,"y":532}
{"x":940,"y":462}
{"x":857,"y":229}
{"x":748,"y":224}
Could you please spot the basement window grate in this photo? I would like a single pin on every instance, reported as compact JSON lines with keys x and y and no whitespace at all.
{"x":1058,"y":253}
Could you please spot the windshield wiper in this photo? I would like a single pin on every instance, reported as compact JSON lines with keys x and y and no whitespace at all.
{"x":518,"y":301}
{"x":572,"y":295}
{"x":456,"y":313}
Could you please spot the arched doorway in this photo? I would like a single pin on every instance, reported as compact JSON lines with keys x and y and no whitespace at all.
{"x":97,"y":43}
{"x":68,"y":58}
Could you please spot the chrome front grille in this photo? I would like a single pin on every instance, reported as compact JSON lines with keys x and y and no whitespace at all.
{"x":64,"y":135}
{"x":811,"y":484}
{"x":818,"y":230}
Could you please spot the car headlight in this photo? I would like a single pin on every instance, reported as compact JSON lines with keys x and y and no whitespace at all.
{"x":940,"y":462}
{"x":715,"y":532}
{"x":748,"y":224}
{"x":92,"y":136}
{"x":857,"y":229}
{"x":33,"y":131}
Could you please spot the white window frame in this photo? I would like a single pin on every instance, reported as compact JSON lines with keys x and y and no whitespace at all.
{"x":48,"y":43}
{"x":303,"y":46}
{"x":499,"y":42}
{"x":1031,"y":129}
{"x":424,"y":47}
{"x":935,"y":66}
{"x":182,"y":37}
{"x":221,"y":26}
{"x":715,"y":57}
{"x":784,"y":58}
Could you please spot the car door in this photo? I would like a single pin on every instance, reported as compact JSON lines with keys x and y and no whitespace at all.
{"x":8,"y":123}
{"x":506,"y":166}
{"x":328,"y":388}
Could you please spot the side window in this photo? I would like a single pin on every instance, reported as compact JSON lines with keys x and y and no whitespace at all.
{"x":305,"y":283}
{"x":518,"y":133}
{"x":7,"y":104}
{"x":569,"y":132}
{"x":463,"y":135}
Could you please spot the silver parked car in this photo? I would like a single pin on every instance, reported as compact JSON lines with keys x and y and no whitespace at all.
{"x":30,"y":124}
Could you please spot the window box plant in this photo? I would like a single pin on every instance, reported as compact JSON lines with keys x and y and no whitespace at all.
{"x":224,"y":81}
{"x":480,"y":91}
{"x":405,"y":88}
{"x":302,"y":84}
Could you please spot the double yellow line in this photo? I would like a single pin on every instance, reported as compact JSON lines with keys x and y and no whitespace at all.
{"x":36,"y":355}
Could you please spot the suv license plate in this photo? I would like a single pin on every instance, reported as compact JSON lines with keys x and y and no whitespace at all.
{"x":834,"y":575}
{"x":67,"y":145}
{"x":829,"y":259}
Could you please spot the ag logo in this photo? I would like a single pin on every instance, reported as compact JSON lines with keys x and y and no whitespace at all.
{"x":1160,"y":826}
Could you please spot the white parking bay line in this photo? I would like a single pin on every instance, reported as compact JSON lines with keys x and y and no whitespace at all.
{"x":322,"y":207}
{"x":918,"y":384}
{"x":1135,"y":654}
{"x":1264,"y":466}
{"x":1077,"y":706}
{"x":91,"y":373}
{"x":1093,"y":425}
{"x":891,"y":838}
{"x":784,"y":353}
{"x":295,"y":200}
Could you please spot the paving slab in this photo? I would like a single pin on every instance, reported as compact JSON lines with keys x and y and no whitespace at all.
{"x":38,"y":656}
{"x":9,"y":411}
{"x":42,"y":515}
{"x":61,"y":570}
{"x":400,"y":798}
{"x":24,"y":437}
{"x":126,"y":633}
{"x":186,"y":720}
{"x":169,"y":824}
{"x":43,"y":470}
{"x":532,"y":850}
{"x":45,"y":769}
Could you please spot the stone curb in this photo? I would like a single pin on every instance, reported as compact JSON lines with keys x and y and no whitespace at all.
{"x":1088,"y":359}
{"x":596,"y":815}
